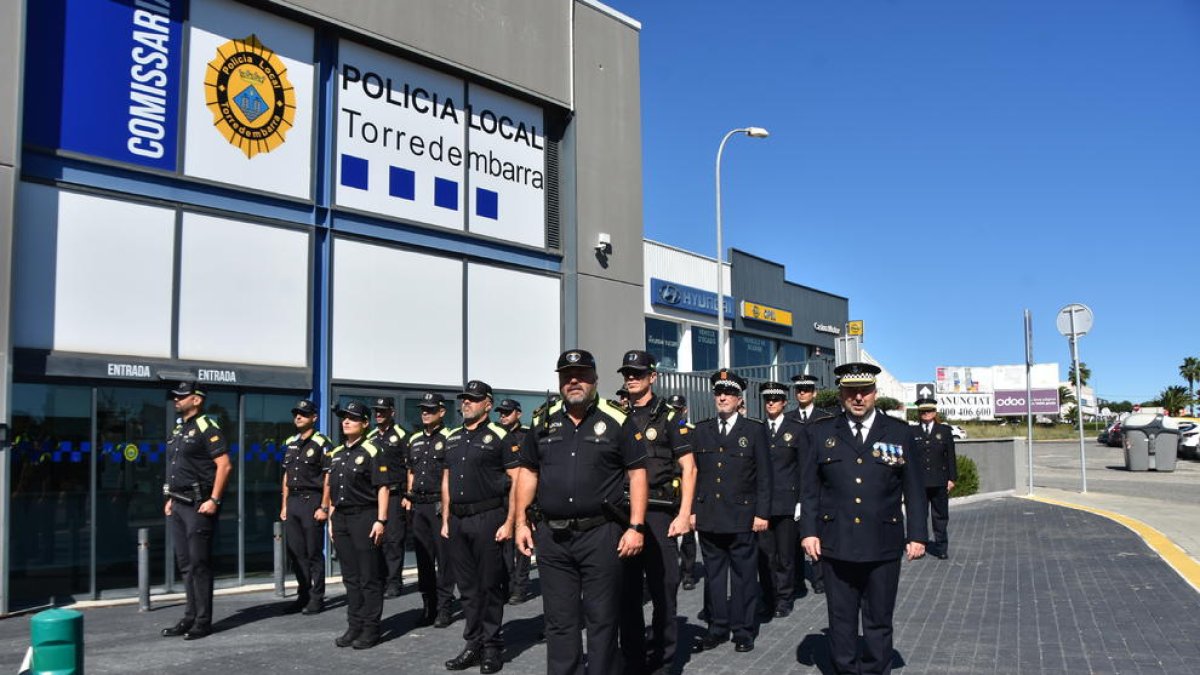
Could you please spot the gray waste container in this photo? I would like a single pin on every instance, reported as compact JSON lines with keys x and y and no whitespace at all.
{"x":1151,"y":442}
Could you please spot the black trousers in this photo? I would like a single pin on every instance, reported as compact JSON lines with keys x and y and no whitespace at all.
{"x":362,"y":568}
{"x":658,"y":565}
{"x":193,"y":534}
{"x":435,"y":576}
{"x":730,"y":563}
{"x":305,"y":537}
{"x":580,"y":568}
{"x":777,"y":561}
{"x":516,"y":566}
{"x":479,"y":567}
{"x":868,"y":588}
{"x":687,"y":556}
{"x":939,"y":514}
{"x":394,"y":534}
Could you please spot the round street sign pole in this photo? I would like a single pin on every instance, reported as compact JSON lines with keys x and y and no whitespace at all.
{"x":1074,"y":321}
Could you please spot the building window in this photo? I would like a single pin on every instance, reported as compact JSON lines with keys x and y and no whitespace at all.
{"x":704,"y":349}
{"x":752,"y":351}
{"x":662,"y":340}
{"x":790,"y":352}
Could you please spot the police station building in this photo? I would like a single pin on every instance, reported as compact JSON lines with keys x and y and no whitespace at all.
{"x":285,"y":199}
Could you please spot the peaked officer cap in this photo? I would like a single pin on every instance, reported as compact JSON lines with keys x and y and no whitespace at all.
{"x":857,"y":374}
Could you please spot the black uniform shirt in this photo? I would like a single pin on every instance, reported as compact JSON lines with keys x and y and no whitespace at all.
{"x":477,"y":460}
{"x":426,"y":458}
{"x":665,"y":439}
{"x":392,"y":444}
{"x":304,"y":462}
{"x":581,"y":467}
{"x":191,"y":449}
{"x":355,"y":474}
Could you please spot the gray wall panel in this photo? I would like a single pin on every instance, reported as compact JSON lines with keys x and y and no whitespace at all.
{"x":608,"y":327}
{"x":1000,"y":461}
{"x":525,"y":43}
{"x":11,"y":15}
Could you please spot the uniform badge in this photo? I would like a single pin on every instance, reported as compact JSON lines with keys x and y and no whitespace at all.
{"x":829,"y":442}
{"x":438,"y":445}
{"x":652,"y":433}
{"x":683,"y":431}
{"x":743,"y":442}
{"x":938,"y":435}
{"x":358,"y":460}
{"x":787,"y":438}
{"x":488,"y":438}
{"x":214,"y":439}
{"x":383,"y":469}
{"x":311,"y":452}
{"x":393,"y":438}
{"x":191,"y":432}
{"x":600,"y":427}
{"x":875,"y":453}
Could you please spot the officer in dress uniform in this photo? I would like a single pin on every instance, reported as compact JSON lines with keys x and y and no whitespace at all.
{"x":687,"y":542}
{"x":806,"y":413}
{"x":198,"y":469}
{"x":671,"y":474}
{"x":477,"y":517}
{"x":733,"y":502}
{"x":303,"y":512}
{"x":358,"y":486}
{"x":777,"y":544}
{"x":425,"y":459}
{"x":574,"y":461}
{"x":516,"y":564}
{"x":857,"y":473}
{"x":389,"y":437}
{"x":935,"y":442}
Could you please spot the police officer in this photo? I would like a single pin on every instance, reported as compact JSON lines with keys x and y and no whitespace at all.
{"x":935,"y":442}
{"x":303,"y":513}
{"x":389,"y":437}
{"x":358,"y":486}
{"x":509,"y":412}
{"x":777,"y":543}
{"x":476,"y":518}
{"x":687,"y":542}
{"x":671,"y":474}
{"x":574,"y":460}
{"x":425,"y":459}
{"x":857,"y":472}
{"x":198,"y":469}
{"x":733,"y":502}
{"x":806,"y":413}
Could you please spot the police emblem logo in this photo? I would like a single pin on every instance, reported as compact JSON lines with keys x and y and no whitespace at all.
{"x":214,"y":439}
{"x":393,"y":438}
{"x":358,"y":460}
{"x":938,"y":435}
{"x":246,"y":88}
{"x":600,"y":427}
{"x":488,"y":438}
{"x":787,"y":438}
{"x":829,"y":442}
{"x":743,"y":442}
{"x":311,"y":452}
{"x":573,"y":357}
{"x":191,"y":433}
{"x":652,"y":433}
{"x":131,"y":452}
{"x":438,"y":446}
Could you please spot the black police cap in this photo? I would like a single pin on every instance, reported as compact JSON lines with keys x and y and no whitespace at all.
{"x":476,"y":390}
{"x":804,"y":381}
{"x":305,"y":407}
{"x":383,"y":403}
{"x":677,"y":401}
{"x":926,"y":403}
{"x":508,"y":405}
{"x":187,"y":389}
{"x":727,"y":379}
{"x":354,"y":410}
{"x":432,"y":399}
{"x":772,"y":389}
{"x":638,"y":361}
{"x":576,"y":358}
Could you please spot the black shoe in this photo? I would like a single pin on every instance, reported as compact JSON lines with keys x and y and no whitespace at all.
{"x":444,"y":618}
{"x":708,"y":642}
{"x":491,"y":662}
{"x":197,"y":633}
{"x":689,"y":584}
{"x":392,"y":591}
{"x":176,"y":630}
{"x":347,"y":638}
{"x":365,"y":642}
{"x":314,"y":606}
{"x":428,"y":615}
{"x":468,"y":657}
{"x":941,"y":555}
{"x":782,"y":611}
{"x":743,"y":645}
{"x":517,"y":598}
{"x":703,"y":615}
{"x":296,"y":607}
{"x":819,"y":588}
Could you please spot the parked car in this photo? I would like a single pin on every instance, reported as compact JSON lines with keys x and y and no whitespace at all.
{"x":957,"y":431}
{"x":1189,"y":437}
{"x":1116,"y":438}
{"x":1102,"y":437}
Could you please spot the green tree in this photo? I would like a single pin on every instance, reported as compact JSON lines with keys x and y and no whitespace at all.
{"x":1120,"y":406}
{"x":1065,"y":397}
{"x":1190,"y":371}
{"x":826,"y":398}
{"x":1085,"y":374}
{"x":887,"y":404}
{"x":1174,"y":399}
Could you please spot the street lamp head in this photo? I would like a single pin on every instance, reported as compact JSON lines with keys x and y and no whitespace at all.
{"x":757,"y":132}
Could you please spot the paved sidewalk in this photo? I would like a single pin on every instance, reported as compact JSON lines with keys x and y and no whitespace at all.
{"x":1029,"y":588}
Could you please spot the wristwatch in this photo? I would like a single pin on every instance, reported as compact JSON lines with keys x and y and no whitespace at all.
{"x":325,"y":510}
{"x":640,"y":528}
{"x":215,"y":500}
{"x":381,"y":521}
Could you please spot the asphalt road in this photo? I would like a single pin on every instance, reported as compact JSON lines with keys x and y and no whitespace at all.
{"x":1056,"y":465}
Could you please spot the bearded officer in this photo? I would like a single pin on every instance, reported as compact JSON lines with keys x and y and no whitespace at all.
{"x":733,"y":502}
{"x":857,"y":475}
{"x":198,"y":469}
{"x":777,"y":544}
{"x":389,"y":437}
{"x":804,"y":387}
{"x":425,"y":459}
{"x":574,"y":461}
{"x":939,"y":463}
{"x":303,"y":513}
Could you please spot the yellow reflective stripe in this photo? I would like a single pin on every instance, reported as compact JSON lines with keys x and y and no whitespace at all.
{"x":611,"y":409}
{"x":501,"y":432}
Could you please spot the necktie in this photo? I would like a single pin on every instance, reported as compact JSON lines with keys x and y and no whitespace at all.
{"x":774,"y":426}
{"x":723,"y":428}
{"x":804,"y":416}
{"x":858,"y":434}
{"x":928,"y":429}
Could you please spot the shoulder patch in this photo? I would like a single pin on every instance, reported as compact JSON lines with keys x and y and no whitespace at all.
{"x":612,"y":410}
{"x":203,"y":423}
{"x":292,"y":438}
{"x":370,"y":448}
{"x":320,"y":439}
{"x":500,"y":431}
{"x":444,"y":432}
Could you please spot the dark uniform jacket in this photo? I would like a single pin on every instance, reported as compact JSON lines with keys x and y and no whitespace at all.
{"x":733,"y":482}
{"x":355,"y":474}
{"x":426,"y":458}
{"x":477,"y":460}
{"x":664,"y":441}
{"x":391,"y":442}
{"x":304,"y":462}
{"x":581,"y":467}
{"x":191,"y":449}
{"x":852,"y":496}
{"x":937,"y":454}
{"x":787,"y":445}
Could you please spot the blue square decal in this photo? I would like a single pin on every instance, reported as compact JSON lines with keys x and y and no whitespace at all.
{"x":402,"y":183}
{"x":354,"y":172}
{"x":487,"y":204}
{"x":445,"y":193}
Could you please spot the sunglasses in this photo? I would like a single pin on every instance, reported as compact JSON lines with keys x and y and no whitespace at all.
{"x":774,"y":399}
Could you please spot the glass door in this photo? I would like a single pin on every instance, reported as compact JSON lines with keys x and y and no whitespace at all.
{"x":268,"y":424}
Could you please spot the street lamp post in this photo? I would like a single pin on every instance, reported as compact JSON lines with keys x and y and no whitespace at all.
{"x":753,"y":132}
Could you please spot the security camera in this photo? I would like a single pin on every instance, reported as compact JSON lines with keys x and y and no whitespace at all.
{"x":604,"y":244}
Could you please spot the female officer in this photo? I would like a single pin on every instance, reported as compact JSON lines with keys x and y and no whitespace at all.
{"x":357,"y":488}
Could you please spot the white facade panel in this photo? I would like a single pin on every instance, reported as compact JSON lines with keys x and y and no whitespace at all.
{"x":381,"y":329}
{"x":243,"y":292}
{"x":681,"y":267}
{"x":515,"y":328}
{"x":507,"y":167}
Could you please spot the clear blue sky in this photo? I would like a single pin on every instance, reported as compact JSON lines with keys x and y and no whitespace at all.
{"x":945,"y":164}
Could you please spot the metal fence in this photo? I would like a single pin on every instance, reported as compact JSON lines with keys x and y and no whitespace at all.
{"x":696,"y":386}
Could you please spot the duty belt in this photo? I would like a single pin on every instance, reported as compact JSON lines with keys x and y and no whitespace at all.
{"x":186,"y":494}
{"x":304,"y":491}
{"x":576,"y":524}
{"x":424,"y":497}
{"x":474,"y":508}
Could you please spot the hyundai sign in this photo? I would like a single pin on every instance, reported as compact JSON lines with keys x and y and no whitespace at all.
{"x":687,"y":298}
{"x":1012,"y":402}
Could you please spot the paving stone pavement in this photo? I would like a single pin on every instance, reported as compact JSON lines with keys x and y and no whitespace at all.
{"x":1029,"y":588}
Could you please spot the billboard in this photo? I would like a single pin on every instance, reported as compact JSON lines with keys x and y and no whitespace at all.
{"x":1012,"y":402}
{"x":966,"y":406}
{"x":963,"y":380}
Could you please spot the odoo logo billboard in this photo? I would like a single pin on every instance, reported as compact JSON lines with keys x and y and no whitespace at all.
{"x":1013,"y":402}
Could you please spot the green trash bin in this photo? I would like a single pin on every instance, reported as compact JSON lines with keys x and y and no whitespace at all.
{"x":57,"y":638}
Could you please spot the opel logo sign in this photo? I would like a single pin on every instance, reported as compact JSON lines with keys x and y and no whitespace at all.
{"x":669,"y":294}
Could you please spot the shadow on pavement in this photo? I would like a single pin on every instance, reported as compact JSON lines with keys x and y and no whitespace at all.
{"x":521,"y":634}
{"x":814,"y":650}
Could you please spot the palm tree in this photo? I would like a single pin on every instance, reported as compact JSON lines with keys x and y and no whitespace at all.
{"x":1174,"y":399}
{"x":1190,"y":371}
{"x":1065,"y":396}
{"x":1085,"y":374}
